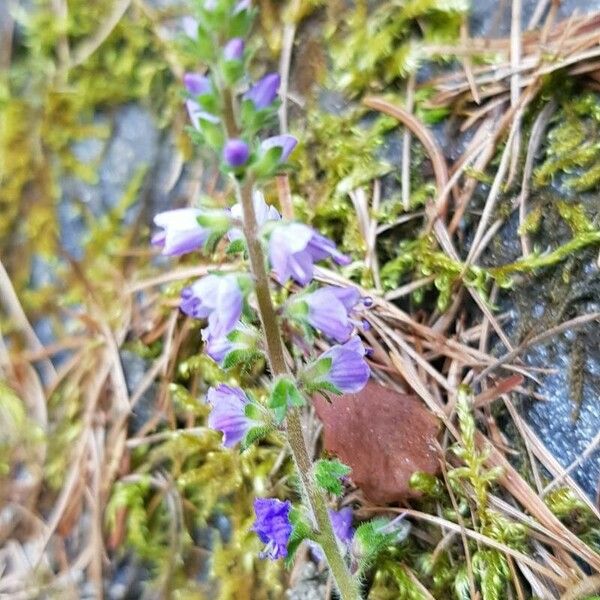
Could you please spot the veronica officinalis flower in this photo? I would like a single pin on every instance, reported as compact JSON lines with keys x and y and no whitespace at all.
{"x":228,"y":413}
{"x":342,"y":369}
{"x":236,"y":153}
{"x":181,"y":232}
{"x":273,"y":526}
{"x":341,"y":522}
{"x":327,"y":309}
{"x":294,"y":248}
{"x":264,"y":91}
{"x":216,"y":298}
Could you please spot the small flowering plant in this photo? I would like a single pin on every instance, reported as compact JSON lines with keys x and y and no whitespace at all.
{"x":233,"y":116}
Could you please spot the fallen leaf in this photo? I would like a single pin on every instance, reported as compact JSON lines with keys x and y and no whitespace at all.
{"x":384,"y":436}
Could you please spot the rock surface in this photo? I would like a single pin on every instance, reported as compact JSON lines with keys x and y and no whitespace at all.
{"x":384,"y":436}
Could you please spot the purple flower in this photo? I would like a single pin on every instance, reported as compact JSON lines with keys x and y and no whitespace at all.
{"x":228,"y":405}
{"x":341,"y":521}
{"x":181,"y":232}
{"x":348,"y":371}
{"x":236,"y":153}
{"x":197,"y":84}
{"x":286,"y":142}
{"x":242,"y":337}
{"x":263,"y":212}
{"x":294,"y":247}
{"x":234,"y":49}
{"x":328,"y":309}
{"x":197,"y":114}
{"x":264,"y":91}
{"x":218,"y":348}
{"x":273,"y":526}
{"x":216,"y":298}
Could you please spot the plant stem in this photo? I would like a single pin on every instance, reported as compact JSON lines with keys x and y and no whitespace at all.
{"x":346,"y":584}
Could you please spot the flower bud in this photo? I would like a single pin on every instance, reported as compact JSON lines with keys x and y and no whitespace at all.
{"x":264,"y":91}
{"x":236,"y":153}
{"x":197,"y":84}
{"x":234,"y":49}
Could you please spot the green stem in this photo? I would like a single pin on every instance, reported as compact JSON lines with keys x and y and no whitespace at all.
{"x":346,"y":584}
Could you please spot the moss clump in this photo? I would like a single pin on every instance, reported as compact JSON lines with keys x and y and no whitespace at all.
{"x":47,"y":104}
{"x":572,"y":151}
{"x":382,"y":45}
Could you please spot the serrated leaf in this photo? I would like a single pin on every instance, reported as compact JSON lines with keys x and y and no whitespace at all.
{"x":254,"y":435}
{"x":237,"y":246}
{"x":301,"y":530}
{"x":328,"y":474}
{"x":237,"y":357}
{"x":285,"y":395}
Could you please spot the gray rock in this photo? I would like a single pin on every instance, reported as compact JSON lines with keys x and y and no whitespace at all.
{"x":310,"y":584}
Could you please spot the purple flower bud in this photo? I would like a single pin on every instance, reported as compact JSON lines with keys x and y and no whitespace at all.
{"x":216,"y":298}
{"x":264,"y":91}
{"x":341,"y":521}
{"x":286,"y":142}
{"x":181,"y":232}
{"x":294,"y":248}
{"x":262,"y":211}
{"x":328,"y":309}
{"x":197,"y":84}
{"x":349,"y":371}
{"x":236,"y":153}
{"x":234,"y":49}
{"x":190,"y":27}
{"x":228,"y":413}
{"x":273,"y":526}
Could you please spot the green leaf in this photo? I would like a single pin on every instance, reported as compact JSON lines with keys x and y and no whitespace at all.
{"x":268,"y":163}
{"x":237,"y":246}
{"x":328,"y":474}
{"x":301,"y":530}
{"x":232,"y":71}
{"x":285,"y":395}
{"x":373,"y":536}
{"x":254,"y":435}
{"x":247,"y":357}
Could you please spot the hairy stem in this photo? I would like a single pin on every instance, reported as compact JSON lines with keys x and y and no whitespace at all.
{"x":346,"y":584}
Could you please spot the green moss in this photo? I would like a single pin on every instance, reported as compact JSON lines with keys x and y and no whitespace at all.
{"x":46,"y":106}
{"x":572,"y":150}
{"x":382,"y":45}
